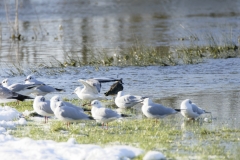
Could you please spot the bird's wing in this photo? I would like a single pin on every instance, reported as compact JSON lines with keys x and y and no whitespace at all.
{"x":19,"y":87}
{"x":132,"y":99}
{"x":6,"y":93}
{"x":95,"y":83}
{"x":46,"y":88}
{"x":106,"y":113}
{"x":72,"y":105}
{"x":106,"y":79}
{"x":196,"y":109}
{"x":158,"y":109}
{"x":45,"y":106}
{"x":73,"y":113}
{"x":89,"y":87}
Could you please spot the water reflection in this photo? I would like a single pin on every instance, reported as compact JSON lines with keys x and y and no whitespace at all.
{"x":109,"y":25}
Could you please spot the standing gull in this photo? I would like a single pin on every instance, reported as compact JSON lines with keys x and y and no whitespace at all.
{"x":42,"y":107}
{"x":103,"y":115}
{"x":41,"y":90}
{"x":8,"y":96}
{"x":191,"y":110}
{"x":24,"y":89}
{"x":127,"y":101}
{"x":55,"y":99}
{"x":69,"y":114}
{"x":155,"y":110}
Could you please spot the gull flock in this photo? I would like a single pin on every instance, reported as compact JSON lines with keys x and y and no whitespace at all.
{"x":91,"y":92}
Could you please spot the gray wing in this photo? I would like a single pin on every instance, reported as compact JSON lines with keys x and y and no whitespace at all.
{"x":132,"y":99}
{"x":72,"y":105}
{"x":46,"y":88}
{"x":196,"y":109}
{"x":45,"y":106}
{"x":95,"y":83}
{"x":19,"y":87}
{"x":5,"y":93}
{"x":106,"y":79}
{"x":158,"y":109}
{"x":107,"y":113}
{"x":73,"y":113}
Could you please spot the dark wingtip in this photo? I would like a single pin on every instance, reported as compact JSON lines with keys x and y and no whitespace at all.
{"x":106,"y":93}
{"x":86,"y":110}
{"x":20,"y":97}
{"x":91,"y":118}
{"x":178,"y":110}
{"x":125,"y":115}
{"x":60,"y":90}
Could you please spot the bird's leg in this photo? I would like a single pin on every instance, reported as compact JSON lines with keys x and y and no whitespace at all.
{"x":45,"y":119}
{"x":107,"y":126}
{"x":102,"y":125}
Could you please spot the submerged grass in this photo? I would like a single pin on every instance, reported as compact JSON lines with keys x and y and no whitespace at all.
{"x":189,"y":140}
{"x":139,"y":54}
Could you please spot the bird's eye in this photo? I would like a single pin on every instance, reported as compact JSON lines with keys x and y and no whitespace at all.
{"x":43,"y":99}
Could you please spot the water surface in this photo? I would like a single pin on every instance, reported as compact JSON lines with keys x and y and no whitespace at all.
{"x":59,"y":28}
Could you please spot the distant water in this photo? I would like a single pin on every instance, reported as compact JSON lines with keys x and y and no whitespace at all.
{"x":59,"y":28}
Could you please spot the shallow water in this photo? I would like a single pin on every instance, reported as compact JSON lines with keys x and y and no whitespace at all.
{"x":60,"y":28}
{"x":212,"y":85}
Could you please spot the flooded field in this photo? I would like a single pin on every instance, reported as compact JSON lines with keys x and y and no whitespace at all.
{"x":74,"y":28}
{"x":55,"y":30}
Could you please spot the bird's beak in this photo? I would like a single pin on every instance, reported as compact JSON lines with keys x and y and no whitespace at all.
{"x":26,"y":79}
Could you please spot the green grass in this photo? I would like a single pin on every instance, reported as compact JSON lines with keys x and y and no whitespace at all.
{"x":167,"y":135}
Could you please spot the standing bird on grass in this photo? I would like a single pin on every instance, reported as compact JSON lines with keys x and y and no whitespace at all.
{"x":55,"y":99}
{"x":69,"y":114}
{"x":103,"y":115}
{"x":155,"y":110}
{"x":42,"y":107}
{"x":127,"y":101}
{"x":191,"y":110}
